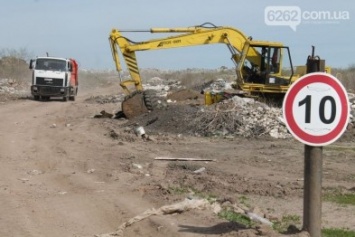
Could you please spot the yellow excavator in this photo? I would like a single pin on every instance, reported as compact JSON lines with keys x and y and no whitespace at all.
{"x":263,"y":68}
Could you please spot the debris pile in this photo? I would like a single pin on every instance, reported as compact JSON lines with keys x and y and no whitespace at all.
{"x":180,"y":207}
{"x":236,"y":116}
{"x":13,"y":89}
{"x":219,"y":85}
{"x":352,"y":107}
{"x":185,"y":113}
{"x":241,"y":117}
{"x":161,"y":86}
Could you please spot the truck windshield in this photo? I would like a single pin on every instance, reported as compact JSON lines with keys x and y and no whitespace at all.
{"x":50,"y":64}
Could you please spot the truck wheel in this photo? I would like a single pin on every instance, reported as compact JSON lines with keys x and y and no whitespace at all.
{"x":72,"y":97}
{"x":36,"y":97}
{"x":65,"y":98}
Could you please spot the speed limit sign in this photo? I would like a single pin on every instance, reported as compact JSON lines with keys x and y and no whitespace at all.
{"x":316,"y":109}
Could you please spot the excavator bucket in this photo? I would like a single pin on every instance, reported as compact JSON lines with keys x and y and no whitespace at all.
{"x":139,"y":102}
{"x":133,"y":105}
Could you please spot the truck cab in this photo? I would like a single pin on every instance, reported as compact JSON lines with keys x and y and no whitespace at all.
{"x":54,"y":77}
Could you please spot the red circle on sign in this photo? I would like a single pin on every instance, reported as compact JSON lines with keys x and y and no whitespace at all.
{"x":289,"y":114}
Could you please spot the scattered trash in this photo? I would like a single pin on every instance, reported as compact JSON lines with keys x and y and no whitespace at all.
{"x":24,"y":180}
{"x":90,"y":171}
{"x":200,"y":170}
{"x":180,"y":207}
{"x":139,"y":131}
{"x":258,"y":218}
{"x":34,"y":172}
{"x":138,"y":166}
{"x":183,"y":159}
{"x":103,"y":114}
{"x":113,"y":134}
{"x":184,"y":206}
{"x":152,"y":121}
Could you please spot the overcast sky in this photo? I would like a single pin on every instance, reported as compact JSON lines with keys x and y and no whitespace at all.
{"x":80,"y":29}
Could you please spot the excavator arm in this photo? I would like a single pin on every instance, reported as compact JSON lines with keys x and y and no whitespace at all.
{"x":118,"y":42}
{"x":190,"y":36}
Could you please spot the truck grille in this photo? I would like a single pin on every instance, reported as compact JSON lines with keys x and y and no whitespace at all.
{"x":49,"y":81}
{"x":49,"y":90}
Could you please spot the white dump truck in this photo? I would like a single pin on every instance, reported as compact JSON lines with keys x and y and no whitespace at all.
{"x":54,"y":77}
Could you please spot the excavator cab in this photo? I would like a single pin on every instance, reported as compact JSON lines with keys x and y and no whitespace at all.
{"x":268,"y":68}
{"x":264,"y":68}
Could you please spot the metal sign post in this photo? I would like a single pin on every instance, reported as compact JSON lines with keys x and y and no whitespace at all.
{"x":316,"y":111}
{"x":312,"y":196}
{"x":313,"y":169}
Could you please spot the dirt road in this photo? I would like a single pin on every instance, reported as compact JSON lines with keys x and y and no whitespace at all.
{"x":64,"y":173}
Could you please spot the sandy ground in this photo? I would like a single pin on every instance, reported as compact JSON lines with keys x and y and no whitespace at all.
{"x":65,"y":173}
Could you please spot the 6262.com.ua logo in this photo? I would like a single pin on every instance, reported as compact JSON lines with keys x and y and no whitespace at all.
{"x":292,"y":16}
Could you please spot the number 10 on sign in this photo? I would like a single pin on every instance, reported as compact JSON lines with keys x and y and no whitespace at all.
{"x":316,"y":109}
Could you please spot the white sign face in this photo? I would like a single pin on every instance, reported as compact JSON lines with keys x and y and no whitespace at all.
{"x":316,"y":109}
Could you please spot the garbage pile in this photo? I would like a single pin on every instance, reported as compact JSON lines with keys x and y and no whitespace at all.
{"x":13,"y":89}
{"x":236,"y":116}
{"x":233,"y":117}
{"x":184,"y":113}
{"x":241,"y":117}
{"x":351,"y":97}
{"x":162,"y":86}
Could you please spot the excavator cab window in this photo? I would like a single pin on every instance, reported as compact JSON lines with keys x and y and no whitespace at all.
{"x":275,"y":60}
{"x":265,"y":65}
{"x":269,"y":57}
